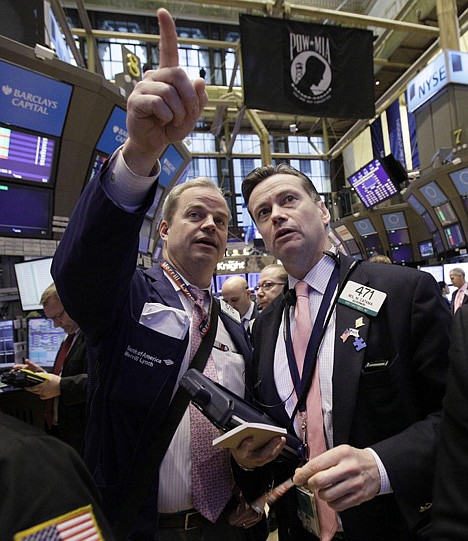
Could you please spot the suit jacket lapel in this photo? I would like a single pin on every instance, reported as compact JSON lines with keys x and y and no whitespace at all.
{"x":268,"y":329}
{"x":348,"y":363}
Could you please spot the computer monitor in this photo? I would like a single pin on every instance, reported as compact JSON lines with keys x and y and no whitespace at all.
{"x":454,"y":236}
{"x":426,"y":249}
{"x":398,"y":237}
{"x":438,"y":244}
{"x":429,"y":222}
{"x":252,"y":280}
{"x":433,"y":194}
{"x":446,"y":214}
{"x":364,"y":226}
{"x":352,"y":247}
{"x":372,"y":242}
{"x":437,"y":271}
{"x":416,"y":204}
{"x":25,"y":211}
{"x":33,"y":278}
{"x":7,"y":339}
{"x":44,"y":341}
{"x":402,"y":254}
{"x":460,"y":179}
{"x":394,"y":220}
{"x":27,"y":156}
{"x":373,"y":183}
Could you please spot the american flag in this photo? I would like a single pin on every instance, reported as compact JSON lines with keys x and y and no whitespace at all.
{"x":79,"y":525}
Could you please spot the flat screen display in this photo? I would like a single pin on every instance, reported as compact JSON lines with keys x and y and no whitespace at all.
{"x":433,"y":194}
{"x":395,"y":220}
{"x":416,"y":204}
{"x":454,"y":236}
{"x":96,"y":163}
{"x":373,"y":184}
{"x":173,"y":164}
{"x":145,"y":233}
{"x":402,"y":254}
{"x":32,"y":100}
{"x":352,"y":247}
{"x":364,"y":227}
{"x":446,"y":214}
{"x":344,"y":232}
{"x":27,"y":156}
{"x":426,"y":249}
{"x":44,"y":341}
{"x":7,"y":349}
{"x":157,"y":199}
{"x":114,"y":133}
{"x":460,"y":179}
{"x":429,"y":222}
{"x":33,"y":278}
{"x":398,"y":237}
{"x":436,"y":271}
{"x":220,"y":279}
{"x":438,"y":244}
{"x":25,"y":211}
{"x":252,"y":280}
{"x":372,"y":242}
{"x":465,"y":202}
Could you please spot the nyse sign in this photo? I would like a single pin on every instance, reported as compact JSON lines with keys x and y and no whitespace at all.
{"x":448,"y":67}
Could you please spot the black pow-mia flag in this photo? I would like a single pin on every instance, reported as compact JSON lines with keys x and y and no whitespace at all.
{"x":307,"y":69}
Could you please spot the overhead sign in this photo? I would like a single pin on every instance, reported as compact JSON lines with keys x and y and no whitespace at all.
{"x":33,"y":101}
{"x":447,"y":67}
{"x":243,"y":264}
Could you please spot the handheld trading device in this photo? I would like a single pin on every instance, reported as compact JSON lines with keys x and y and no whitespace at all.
{"x":226,"y":410}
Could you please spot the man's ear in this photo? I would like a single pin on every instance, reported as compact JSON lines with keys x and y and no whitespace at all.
{"x":163,"y":229}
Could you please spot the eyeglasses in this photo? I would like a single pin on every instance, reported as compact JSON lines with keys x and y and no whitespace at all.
{"x":59,"y":317}
{"x":268,"y":285}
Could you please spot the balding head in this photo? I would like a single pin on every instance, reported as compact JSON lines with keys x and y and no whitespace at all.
{"x":236,"y":292}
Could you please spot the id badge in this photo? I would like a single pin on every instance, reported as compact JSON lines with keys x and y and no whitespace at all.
{"x":307,"y":510}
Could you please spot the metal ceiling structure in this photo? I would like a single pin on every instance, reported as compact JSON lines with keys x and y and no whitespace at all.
{"x":406,"y":35}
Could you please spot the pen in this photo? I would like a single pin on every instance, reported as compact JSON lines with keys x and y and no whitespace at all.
{"x":272,"y":496}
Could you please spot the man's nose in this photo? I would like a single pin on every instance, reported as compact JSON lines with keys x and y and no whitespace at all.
{"x":209,"y":222}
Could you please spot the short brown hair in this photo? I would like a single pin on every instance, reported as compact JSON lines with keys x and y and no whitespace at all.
{"x":261,"y":173}
{"x":170,"y":203}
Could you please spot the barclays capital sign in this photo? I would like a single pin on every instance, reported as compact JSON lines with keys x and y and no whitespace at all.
{"x":447,"y":67}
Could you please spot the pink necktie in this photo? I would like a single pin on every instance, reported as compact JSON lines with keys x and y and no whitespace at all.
{"x":211,"y":467}
{"x":315,"y":434}
{"x":458,"y":299}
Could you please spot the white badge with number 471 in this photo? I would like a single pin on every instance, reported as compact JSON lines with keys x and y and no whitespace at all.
{"x":363,"y":298}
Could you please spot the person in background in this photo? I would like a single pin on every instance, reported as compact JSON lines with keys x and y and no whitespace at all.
{"x":145,"y":326}
{"x":449,"y":516}
{"x":65,"y":389}
{"x":236,"y":292}
{"x":271,"y":282}
{"x":380,"y":258}
{"x":444,"y":291}
{"x":460,"y":296}
{"x":45,"y":486}
{"x":376,"y":368}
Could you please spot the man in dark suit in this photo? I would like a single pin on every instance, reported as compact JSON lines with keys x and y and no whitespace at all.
{"x":236,"y":292}
{"x":449,"y":516}
{"x":65,"y":390}
{"x":142,"y":324}
{"x":460,"y":296}
{"x":381,"y":370}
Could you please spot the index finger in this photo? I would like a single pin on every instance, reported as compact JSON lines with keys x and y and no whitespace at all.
{"x":168,"y":54}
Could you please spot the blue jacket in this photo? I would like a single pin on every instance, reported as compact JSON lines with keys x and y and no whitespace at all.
{"x":133,"y":369}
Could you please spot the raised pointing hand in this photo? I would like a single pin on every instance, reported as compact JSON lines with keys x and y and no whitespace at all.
{"x":164,"y":106}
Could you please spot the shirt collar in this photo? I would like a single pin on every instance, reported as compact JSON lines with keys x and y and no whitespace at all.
{"x":318,"y":276}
